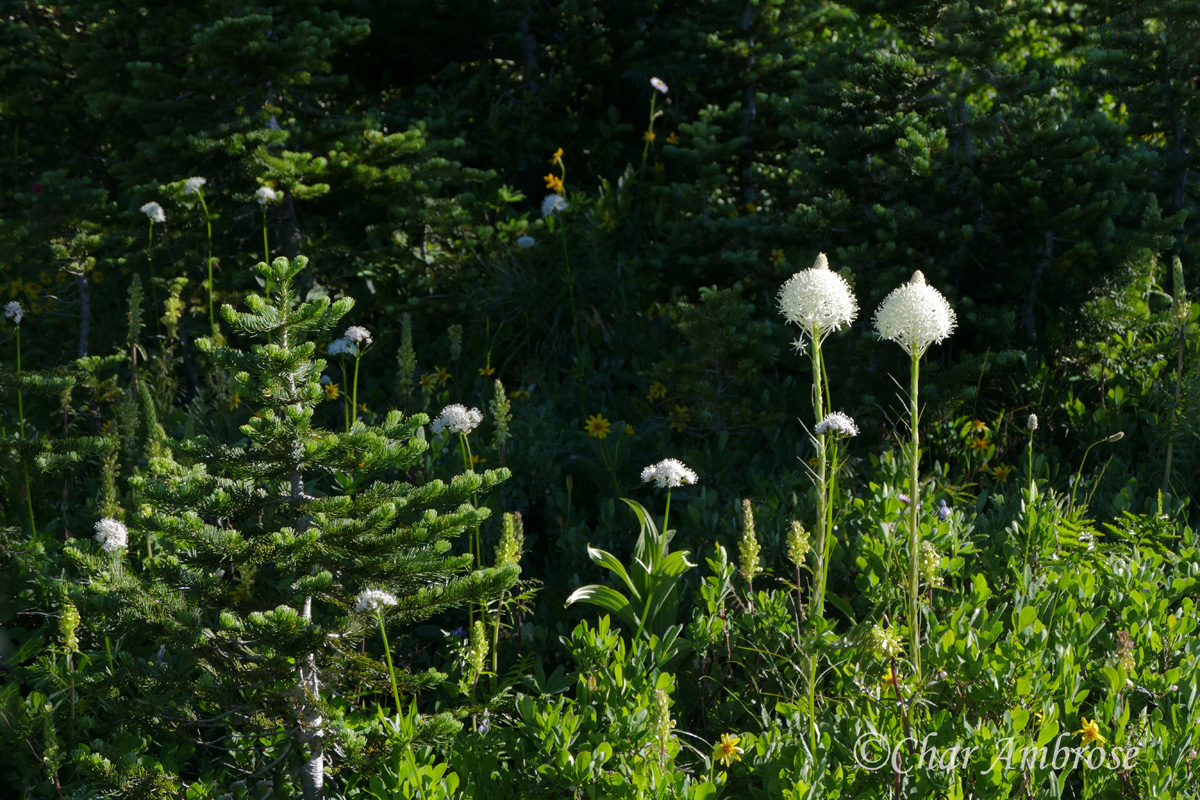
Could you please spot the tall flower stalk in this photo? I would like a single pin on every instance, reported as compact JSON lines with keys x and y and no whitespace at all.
{"x":914,"y":316}
{"x":550,"y":206}
{"x":154,"y":213}
{"x":196,"y":186}
{"x":820,"y":302}
{"x":659,"y":87}
{"x":265,"y":196}
{"x":14,"y":312}
{"x":373,"y":601}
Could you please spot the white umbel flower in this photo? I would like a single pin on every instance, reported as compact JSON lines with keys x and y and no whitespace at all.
{"x":553,"y":203}
{"x":668,"y":474}
{"x":13,"y":311}
{"x":374,"y":599}
{"x":339,"y":347}
{"x":111,"y":535}
{"x":818,"y":300}
{"x":837,"y":423}
{"x":193,"y":185}
{"x":658,"y":84}
{"x":265,"y":195}
{"x":915,"y":316}
{"x":457,"y":418}
{"x":526,"y":242}
{"x":154,"y":211}
{"x":357,"y":335}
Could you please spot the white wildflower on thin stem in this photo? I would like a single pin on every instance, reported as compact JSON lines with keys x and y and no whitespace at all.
{"x":13,"y":311}
{"x":265,"y":195}
{"x":192,"y":186}
{"x":818,"y":300}
{"x":553,"y":203}
{"x":658,"y":84}
{"x":838,"y":424}
{"x":111,"y":535}
{"x":154,"y":211}
{"x":339,"y":347}
{"x":669,"y":473}
{"x":1031,"y":423}
{"x":915,"y":316}
{"x":357,"y":335}
{"x":457,"y":418}
{"x":372,"y":600}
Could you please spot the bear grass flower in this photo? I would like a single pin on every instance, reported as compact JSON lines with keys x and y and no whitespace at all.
{"x":13,"y":311}
{"x":154,"y":211}
{"x":111,"y":535}
{"x":457,"y":418}
{"x":818,"y":300}
{"x":372,"y":600}
{"x":915,"y":316}
{"x":266,"y":195}
{"x":552,"y":204}
{"x":668,"y":474}
{"x":192,"y":186}
{"x":727,"y":750}
{"x":838,"y":424}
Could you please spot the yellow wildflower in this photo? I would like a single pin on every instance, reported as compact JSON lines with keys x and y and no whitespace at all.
{"x":727,"y":750}
{"x":1002,"y":472}
{"x":658,"y":166}
{"x":891,"y":678}
{"x":427,"y":381}
{"x":331,"y":391}
{"x":557,"y":157}
{"x":235,"y":401}
{"x":629,"y":429}
{"x":776,"y":256}
{"x":519,"y":394}
{"x":1091,"y":733}
{"x":362,"y":408}
{"x":597,"y":426}
{"x":679,"y":418}
{"x":441,"y":374}
{"x":979,"y":425}
{"x":648,"y":136}
{"x":554,"y":183}
{"x":673,"y":139}
{"x":476,"y":460}
{"x":608,"y":221}
{"x":979,"y":443}
{"x":486,"y":370}
{"x":657,"y":390}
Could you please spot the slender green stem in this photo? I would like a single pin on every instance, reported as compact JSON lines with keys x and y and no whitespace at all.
{"x":266,"y":248}
{"x":667,"y":513}
{"x":212,"y":316}
{"x":821,"y":553}
{"x":1029,"y":510}
{"x":354,"y":396}
{"x":21,"y":425}
{"x":153,"y":288}
{"x":345,"y":396}
{"x":914,"y":520}
{"x":387,"y":651}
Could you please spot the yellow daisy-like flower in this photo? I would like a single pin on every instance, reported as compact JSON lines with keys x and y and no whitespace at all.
{"x":486,"y":370}
{"x":476,"y":460}
{"x":657,"y":390}
{"x":1091,"y":733}
{"x":891,"y":678}
{"x":557,"y":157}
{"x":441,"y":374}
{"x":597,"y":426}
{"x":1002,"y":472}
{"x":673,"y":139}
{"x":727,"y":750}
{"x":776,"y":256}
{"x":331,"y":391}
{"x":679,"y":418}
{"x":648,"y":136}
{"x":554,"y":183}
{"x":629,"y":429}
{"x":608,"y":221}
{"x":362,"y":408}
{"x":979,"y":425}
{"x":426,"y":381}
{"x":979,"y":443}
{"x":751,"y":207}
{"x":235,"y":401}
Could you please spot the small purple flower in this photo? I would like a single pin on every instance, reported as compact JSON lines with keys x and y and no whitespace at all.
{"x":485,"y":723}
{"x":903,"y":497}
{"x":944,"y":511}
{"x":460,"y":632}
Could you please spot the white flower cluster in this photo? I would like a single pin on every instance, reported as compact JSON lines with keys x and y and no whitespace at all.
{"x":374,"y":599}
{"x":837,"y":423}
{"x":14,"y":311}
{"x":915,"y":316}
{"x":1031,"y":423}
{"x":669,"y":473}
{"x":457,"y":418}
{"x":818,"y":300}
{"x":357,"y":336}
{"x":154,"y":211}
{"x":111,"y":535}
{"x":265,"y":195}
{"x":193,"y":185}
{"x":339,"y":347}
{"x":552,"y":203}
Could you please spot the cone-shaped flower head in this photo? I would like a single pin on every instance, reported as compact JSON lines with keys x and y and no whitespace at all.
{"x":818,"y":300}
{"x":669,"y":473}
{"x":457,"y":418}
{"x":193,"y":185}
{"x":111,"y":535}
{"x":154,"y":211}
{"x":1031,"y":423}
{"x":915,"y":316}
{"x":13,"y":311}
{"x":371,"y":600}
{"x":265,"y":195}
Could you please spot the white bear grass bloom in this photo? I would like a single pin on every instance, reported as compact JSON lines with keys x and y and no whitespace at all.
{"x":837,"y":423}
{"x":457,"y":418}
{"x":13,"y":311}
{"x":154,"y":211}
{"x":668,"y":474}
{"x":372,"y":600}
{"x":192,"y":186}
{"x":818,"y":300}
{"x":553,"y":203}
{"x":265,"y":195}
{"x":111,"y":535}
{"x":915,"y":316}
